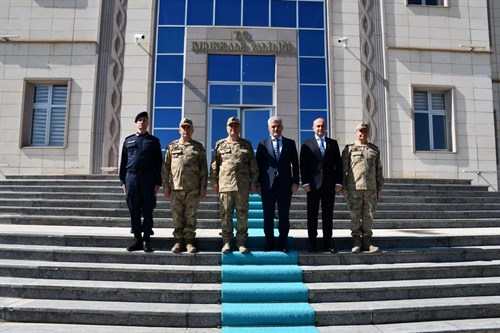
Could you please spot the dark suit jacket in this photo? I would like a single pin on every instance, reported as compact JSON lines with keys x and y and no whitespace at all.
{"x":287,"y":167}
{"x":315,"y":168}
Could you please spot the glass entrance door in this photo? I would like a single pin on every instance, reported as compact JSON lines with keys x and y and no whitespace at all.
{"x":253,"y":121}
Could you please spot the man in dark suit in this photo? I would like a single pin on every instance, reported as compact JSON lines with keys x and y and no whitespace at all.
{"x":321,"y":173}
{"x":278,"y":163}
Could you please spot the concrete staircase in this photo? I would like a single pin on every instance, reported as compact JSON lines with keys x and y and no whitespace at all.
{"x":64,"y":266}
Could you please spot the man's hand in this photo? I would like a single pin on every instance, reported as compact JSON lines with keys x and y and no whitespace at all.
{"x":344,"y":192}
{"x":155,"y":191}
{"x":124,"y":188}
{"x":295,"y":187}
{"x":307,"y":188}
{"x":167,"y":192}
{"x":338,"y":188}
{"x":253,"y":188}
{"x":203,"y":194}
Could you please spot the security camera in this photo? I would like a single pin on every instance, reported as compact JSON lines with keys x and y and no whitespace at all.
{"x":139,"y":36}
{"x":343,"y":40}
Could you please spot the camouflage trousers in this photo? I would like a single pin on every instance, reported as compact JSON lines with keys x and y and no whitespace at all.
{"x":184,"y":213}
{"x":362,"y":205}
{"x":229,"y":201}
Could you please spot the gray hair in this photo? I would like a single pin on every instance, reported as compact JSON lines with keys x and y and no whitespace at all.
{"x":274,"y":118}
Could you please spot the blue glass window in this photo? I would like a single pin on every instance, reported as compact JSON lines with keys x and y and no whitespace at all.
{"x":283,"y":14}
{"x":422,"y":140}
{"x":228,"y":12}
{"x":439,"y":131}
{"x":256,"y":13}
{"x":313,"y":97}
{"x":172,"y":12}
{"x":169,"y":68}
{"x":200,"y":12}
{"x":224,"y":94}
{"x":258,"y":95}
{"x":312,"y":70}
{"x":224,"y":67}
{"x":311,"y":14}
{"x":170,"y":40}
{"x":166,"y":136}
{"x":168,"y":94}
{"x":307,"y":118}
{"x":312,"y":43}
{"x":255,"y":126}
{"x":258,"y":68}
{"x":167,"y":117}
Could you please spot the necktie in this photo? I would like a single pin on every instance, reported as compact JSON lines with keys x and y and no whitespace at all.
{"x":276,"y":144}
{"x":322,"y":147}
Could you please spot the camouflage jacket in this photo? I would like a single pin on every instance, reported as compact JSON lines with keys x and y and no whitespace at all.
{"x":362,"y":167}
{"x":185,"y":166}
{"x":234,"y":166}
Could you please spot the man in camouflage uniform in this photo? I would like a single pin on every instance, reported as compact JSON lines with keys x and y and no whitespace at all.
{"x":233,"y":173}
{"x":185,"y":176}
{"x":363,"y":182}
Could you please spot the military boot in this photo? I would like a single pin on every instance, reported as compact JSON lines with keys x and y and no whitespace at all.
{"x":137,"y":244}
{"x":178,"y":246}
{"x":226,"y":248}
{"x":190,"y":248}
{"x":356,"y":247}
{"x":242,"y":248}
{"x":368,"y":246}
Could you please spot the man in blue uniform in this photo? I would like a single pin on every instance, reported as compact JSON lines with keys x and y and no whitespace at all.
{"x":140,"y":178}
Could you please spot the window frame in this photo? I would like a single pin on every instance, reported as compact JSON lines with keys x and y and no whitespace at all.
{"x":28,"y":110}
{"x":424,"y":3}
{"x":449,"y":113}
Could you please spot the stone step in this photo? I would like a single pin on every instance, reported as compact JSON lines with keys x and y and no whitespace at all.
{"x":209,"y":239}
{"x":402,"y":289}
{"x":298,"y":200}
{"x":400,"y":271}
{"x":19,"y":327}
{"x":212,"y":274}
{"x":339,"y":213}
{"x":481,"y":325}
{"x":401,"y":311}
{"x":207,"y":209}
{"x":116,"y":291}
{"x":210,"y":293}
{"x":114,"y":186}
{"x":203,"y":223}
{"x":165,"y":257}
{"x":208,"y":315}
{"x":110,"y":313}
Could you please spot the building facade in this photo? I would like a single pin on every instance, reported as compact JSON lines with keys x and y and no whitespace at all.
{"x":423,"y":73}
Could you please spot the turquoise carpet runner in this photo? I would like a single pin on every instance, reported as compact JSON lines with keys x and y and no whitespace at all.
{"x":263,"y":292}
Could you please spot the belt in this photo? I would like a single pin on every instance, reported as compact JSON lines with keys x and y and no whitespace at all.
{"x":139,"y":171}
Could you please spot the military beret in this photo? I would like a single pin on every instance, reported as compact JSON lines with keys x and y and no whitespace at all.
{"x":140,"y":115}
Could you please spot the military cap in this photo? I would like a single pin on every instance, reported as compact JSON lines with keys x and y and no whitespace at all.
{"x":186,"y":121}
{"x":233,"y":120}
{"x":362,"y":126}
{"x":140,"y":115}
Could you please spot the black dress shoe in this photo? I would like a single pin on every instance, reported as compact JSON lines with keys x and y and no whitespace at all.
{"x":147,"y":246}
{"x":136,"y":246}
{"x":330,"y":250}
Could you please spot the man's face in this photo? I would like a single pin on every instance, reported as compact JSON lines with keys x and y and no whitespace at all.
{"x":186,"y":132}
{"x":233,"y":130}
{"x":319,"y":127}
{"x":142,"y":124}
{"x":362,"y":135}
{"x":275,"y":129}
